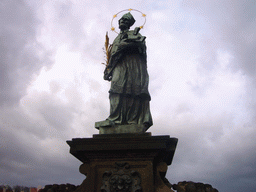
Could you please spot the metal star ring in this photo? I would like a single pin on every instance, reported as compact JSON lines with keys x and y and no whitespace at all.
{"x":114,"y":16}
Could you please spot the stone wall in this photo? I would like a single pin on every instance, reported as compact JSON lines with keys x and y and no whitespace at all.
{"x":183,"y":186}
{"x":189,"y":186}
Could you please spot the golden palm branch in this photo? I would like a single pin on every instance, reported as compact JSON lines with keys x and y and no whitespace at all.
{"x":107,"y":50}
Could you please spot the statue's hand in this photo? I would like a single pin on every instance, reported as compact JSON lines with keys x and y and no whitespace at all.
{"x":107,"y":76}
{"x":133,"y":39}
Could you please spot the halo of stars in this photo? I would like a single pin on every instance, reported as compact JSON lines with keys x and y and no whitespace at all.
{"x":129,"y":10}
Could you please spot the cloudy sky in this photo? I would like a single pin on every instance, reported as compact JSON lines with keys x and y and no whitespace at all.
{"x":201,"y":62}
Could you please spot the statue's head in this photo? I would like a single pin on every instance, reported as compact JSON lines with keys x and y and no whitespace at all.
{"x":126,"y":21}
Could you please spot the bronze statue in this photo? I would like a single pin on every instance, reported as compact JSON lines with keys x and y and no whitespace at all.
{"x":127,"y":71}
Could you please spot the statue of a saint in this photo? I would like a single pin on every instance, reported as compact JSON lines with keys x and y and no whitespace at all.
{"x":127,"y":71}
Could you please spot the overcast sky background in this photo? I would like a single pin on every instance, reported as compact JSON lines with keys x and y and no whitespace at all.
{"x":201,"y":62}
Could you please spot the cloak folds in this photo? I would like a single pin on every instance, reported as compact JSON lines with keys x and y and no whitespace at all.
{"x":128,"y":94}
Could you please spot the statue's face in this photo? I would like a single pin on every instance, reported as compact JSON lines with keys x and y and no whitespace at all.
{"x":124,"y":23}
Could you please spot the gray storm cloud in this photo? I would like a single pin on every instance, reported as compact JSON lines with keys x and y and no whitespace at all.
{"x":21,"y":54}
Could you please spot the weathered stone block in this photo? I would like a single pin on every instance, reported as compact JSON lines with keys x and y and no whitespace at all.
{"x":123,"y":162}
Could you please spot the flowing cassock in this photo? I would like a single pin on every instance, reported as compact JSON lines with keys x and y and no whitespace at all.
{"x":129,"y":96}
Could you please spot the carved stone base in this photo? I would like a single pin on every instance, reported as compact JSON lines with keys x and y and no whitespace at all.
{"x":124,"y":162}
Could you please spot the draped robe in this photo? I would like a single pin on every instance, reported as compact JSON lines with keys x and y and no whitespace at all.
{"x":128,"y":94}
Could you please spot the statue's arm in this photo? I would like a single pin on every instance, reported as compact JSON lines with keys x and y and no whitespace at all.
{"x":132,"y":43}
{"x":114,"y":58}
{"x":135,"y":43}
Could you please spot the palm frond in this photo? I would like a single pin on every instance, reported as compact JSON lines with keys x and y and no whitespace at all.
{"x":107,"y":50}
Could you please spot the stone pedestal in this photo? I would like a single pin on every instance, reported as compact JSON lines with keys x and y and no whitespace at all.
{"x":109,"y":127}
{"x":124,"y":162}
